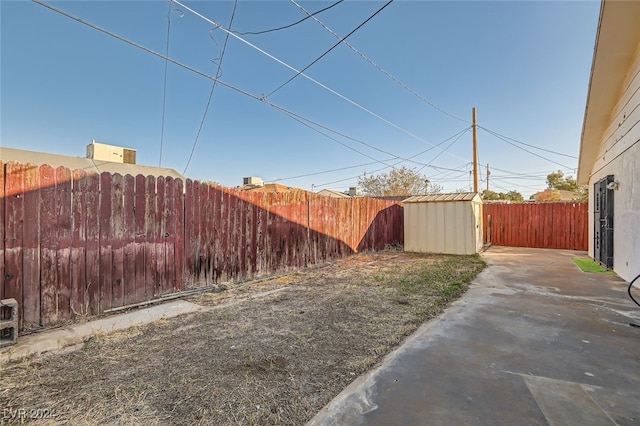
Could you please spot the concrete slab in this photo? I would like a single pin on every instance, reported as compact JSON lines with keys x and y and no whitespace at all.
{"x":535,"y":341}
{"x":68,"y":337}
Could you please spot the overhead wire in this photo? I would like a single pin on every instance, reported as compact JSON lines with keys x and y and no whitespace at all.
{"x":405,"y":87}
{"x":164,"y":85}
{"x":501,"y":187}
{"x":357,"y":176}
{"x":167,"y":59}
{"x":330,"y":49}
{"x":358,"y":140}
{"x":303,"y":122}
{"x":444,"y":176}
{"x":395,"y":157}
{"x":384,"y":168}
{"x":292,"y":114}
{"x":198,"y":72}
{"x":526,"y":150}
{"x":215,"y":60}
{"x":343,"y":97}
{"x":445,"y":150}
{"x":525,"y":174}
{"x":290,"y":25}
{"x":494,"y":133}
{"x":379,"y":68}
{"x":213,"y":87}
{"x":327,"y":171}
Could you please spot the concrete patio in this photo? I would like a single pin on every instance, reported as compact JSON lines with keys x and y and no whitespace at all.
{"x":535,"y":341}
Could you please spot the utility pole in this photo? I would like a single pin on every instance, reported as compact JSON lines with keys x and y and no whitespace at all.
{"x":475,"y":151}
{"x":488,"y":174}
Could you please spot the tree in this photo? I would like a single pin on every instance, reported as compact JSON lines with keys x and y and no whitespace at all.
{"x":557,"y":181}
{"x":582,"y":194}
{"x":513,"y":196}
{"x":546,"y":196}
{"x":399,"y":181}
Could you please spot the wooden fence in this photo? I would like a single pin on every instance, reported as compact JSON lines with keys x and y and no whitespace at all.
{"x":74,"y":243}
{"x":542,"y":225}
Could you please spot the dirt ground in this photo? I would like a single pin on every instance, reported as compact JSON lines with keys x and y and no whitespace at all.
{"x":270,"y":351}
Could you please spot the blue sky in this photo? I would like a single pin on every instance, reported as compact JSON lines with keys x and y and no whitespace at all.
{"x":524,"y":65}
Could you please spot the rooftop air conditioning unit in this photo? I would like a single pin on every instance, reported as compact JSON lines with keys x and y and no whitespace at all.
{"x":117,"y":154}
{"x":253,"y":181}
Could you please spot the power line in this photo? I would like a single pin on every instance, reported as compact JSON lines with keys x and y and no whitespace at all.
{"x":524,"y":174}
{"x":500,"y":187}
{"x":234,"y":88}
{"x":442,"y":152}
{"x":146,"y":49}
{"x":166,"y":58}
{"x":330,"y":49}
{"x":402,"y":161}
{"x":329,"y":171}
{"x":517,"y":177}
{"x":379,"y":68}
{"x":180,"y":64}
{"x":353,"y":177}
{"x":396,"y":80}
{"x":374,"y":171}
{"x":213,"y":87}
{"x":395,"y":157}
{"x":526,"y":144}
{"x":459,"y":172}
{"x":524,"y":149}
{"x":164,"y":85}
{"x":343,"y":97}
{"x":303,"y":121}
{"x":290,"y":25}
{"x":329,"y":129}
{"x":352,"y":138}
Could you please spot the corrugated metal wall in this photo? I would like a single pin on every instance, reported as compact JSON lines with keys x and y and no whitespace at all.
{"x":76,"y":243}
{"x":450,"y":227}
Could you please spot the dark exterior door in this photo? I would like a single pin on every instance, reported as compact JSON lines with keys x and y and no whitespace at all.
{"x":603,"y":222}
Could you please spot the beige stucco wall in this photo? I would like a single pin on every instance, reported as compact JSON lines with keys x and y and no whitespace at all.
{"x":619,"y":155}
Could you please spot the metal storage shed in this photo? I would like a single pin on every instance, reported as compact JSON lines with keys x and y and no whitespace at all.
{"x":443,"y":223}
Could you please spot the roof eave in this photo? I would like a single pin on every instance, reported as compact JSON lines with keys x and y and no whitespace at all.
{"x":616,"y":42}
{"x":585,"y":164}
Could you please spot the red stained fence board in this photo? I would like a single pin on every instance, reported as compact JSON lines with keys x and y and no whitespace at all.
{"x":63,"y":243}
{"x":48,"y":247}
{"x":539,"y":225}
{"x":92,"y":244}
{"x":129,"y":283}
{"x":80,"y":243}
{"x":13,"y":250}
{"x":78,"y":303}
{"x":117,"y":241}
{"x":140,"y":238}
{"x":2,"y":227}
{"x":106,"y":239}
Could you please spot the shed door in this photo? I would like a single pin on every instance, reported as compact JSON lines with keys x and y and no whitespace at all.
{"x":603,"y":222}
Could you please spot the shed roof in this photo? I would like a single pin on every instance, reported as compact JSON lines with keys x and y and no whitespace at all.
{"x":457,"y":196}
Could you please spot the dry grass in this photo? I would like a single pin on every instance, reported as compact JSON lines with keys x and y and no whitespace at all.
{"x":271,"y":360}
